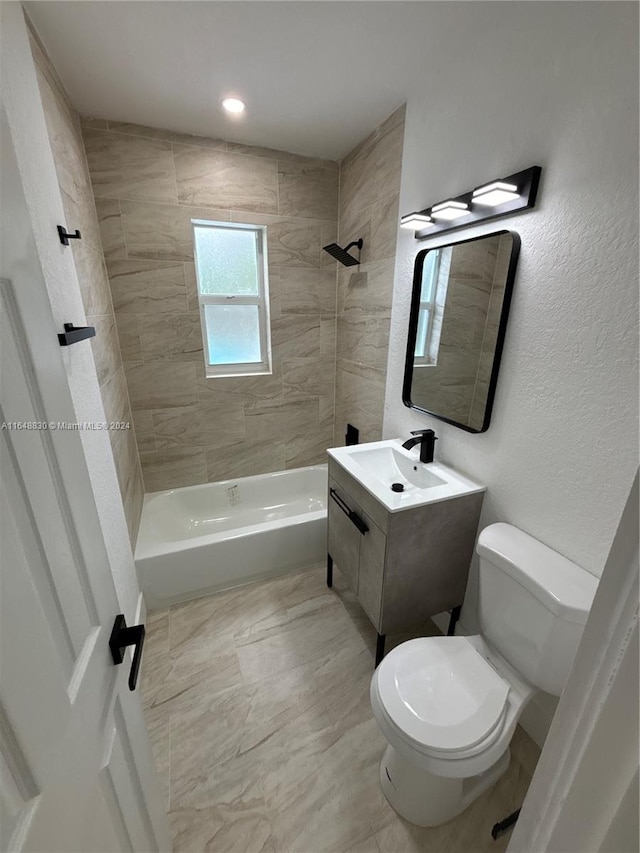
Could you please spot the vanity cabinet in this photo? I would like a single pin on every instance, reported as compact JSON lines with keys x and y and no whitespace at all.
{"x":403,"y":566}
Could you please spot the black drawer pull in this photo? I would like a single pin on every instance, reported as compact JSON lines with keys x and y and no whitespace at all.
{"x":351,"y":515}
{"x":123,"y":636}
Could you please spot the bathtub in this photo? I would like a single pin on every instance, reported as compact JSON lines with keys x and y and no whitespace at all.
{"x":200,"y":539}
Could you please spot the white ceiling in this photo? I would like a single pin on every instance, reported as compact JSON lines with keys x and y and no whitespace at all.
{"x":317,"y":76}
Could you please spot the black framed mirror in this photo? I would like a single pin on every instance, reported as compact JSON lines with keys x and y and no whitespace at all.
{"x":459,"y":309}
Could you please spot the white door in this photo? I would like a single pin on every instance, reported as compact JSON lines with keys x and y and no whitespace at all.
{"x":75,"y":762}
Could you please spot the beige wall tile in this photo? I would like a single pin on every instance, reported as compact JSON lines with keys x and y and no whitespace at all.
{"x":162,"y":231}
{"x":147,"y":287}
{"x":229,"y":389}
{"x":302,"y":450}
{"x":125,"y":455}
{"x":115,"y":398}
{"x":295,"y":336}
{"x":367,"y":291}
{"x":364,"y":340}
{"x":130,"y":167}
{"x":307,"y":377}
{"x":110,"y":223}
{"x":92,"y":278}
{"x":328,"y":336}
{"x":143,"y":424}
{"x":201,"y":425}
{"x":294,"y":242}
{"x":374,"y":172}
{"x":307,"y":291}
{"x":246,"y":458}
{"x":127,"y":326}
{"x":171,"y":338}
{"x":369,"y":192}
{"x":169,"y":135}
{"x":161,"y":386}
{"x":377,"y":225}
{"x":79,"y":212}
{"x":224,"y":180}
{"x":360,"y":385}
{"x":172,"y":468}
{"x":305,"y":190}
{"x":149,"y":244}
{"x":276,"y":418}
{"x":105,"y":346}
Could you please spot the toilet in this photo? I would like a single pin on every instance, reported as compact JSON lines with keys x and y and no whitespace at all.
{"x":448,"y":706}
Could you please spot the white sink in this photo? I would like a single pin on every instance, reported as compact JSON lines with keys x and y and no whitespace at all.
{"x":379,"y":465}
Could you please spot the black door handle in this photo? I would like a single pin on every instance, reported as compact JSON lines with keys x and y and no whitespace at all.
{"x":121,"y":637}
{"x":353,"y":517}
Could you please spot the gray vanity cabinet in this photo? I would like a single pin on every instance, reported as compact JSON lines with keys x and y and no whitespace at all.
{"x":404,"y":566}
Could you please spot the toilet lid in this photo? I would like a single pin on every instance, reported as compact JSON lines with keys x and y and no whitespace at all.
{"x":441,"y":692}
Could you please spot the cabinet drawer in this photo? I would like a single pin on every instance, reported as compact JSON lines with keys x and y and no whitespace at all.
{"x":344,"y":533}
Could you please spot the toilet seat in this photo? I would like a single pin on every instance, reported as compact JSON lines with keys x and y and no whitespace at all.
{"x":442,"y":696}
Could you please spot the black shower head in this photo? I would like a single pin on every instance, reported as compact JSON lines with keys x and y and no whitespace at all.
{"x":343,"y":255}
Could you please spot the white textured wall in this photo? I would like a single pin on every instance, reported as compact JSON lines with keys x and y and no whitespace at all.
{"x":554,"y":85}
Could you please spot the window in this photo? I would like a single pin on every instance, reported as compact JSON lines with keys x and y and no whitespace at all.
{"x":231,"y":271}
{"x":430,"y":273}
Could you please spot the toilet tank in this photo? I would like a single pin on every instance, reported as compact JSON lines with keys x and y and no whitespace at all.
{"x":533,"y":604}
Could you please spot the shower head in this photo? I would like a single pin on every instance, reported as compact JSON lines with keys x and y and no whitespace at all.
{"x":343,"y":255}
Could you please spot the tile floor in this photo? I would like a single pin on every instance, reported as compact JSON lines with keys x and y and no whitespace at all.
{"x":257,"y":703}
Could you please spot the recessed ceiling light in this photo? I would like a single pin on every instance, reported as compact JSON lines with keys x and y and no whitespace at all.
{"x":495,"y":194}
{"x":449,"y":210}
{"x":233,"y":105}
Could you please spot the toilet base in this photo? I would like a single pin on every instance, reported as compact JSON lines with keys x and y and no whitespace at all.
{"x":425,"y":799}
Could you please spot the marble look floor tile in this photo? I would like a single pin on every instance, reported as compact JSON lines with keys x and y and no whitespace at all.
{"x":258,"y":709}
{"x":184,"y":678}
{"x":298,"y":636}
{"x":216,"y":830}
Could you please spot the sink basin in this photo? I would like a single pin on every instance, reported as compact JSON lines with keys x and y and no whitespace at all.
{"x":379,"y":465}
{"x":391,"y":466}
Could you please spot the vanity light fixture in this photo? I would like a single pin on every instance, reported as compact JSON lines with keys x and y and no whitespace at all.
{"x":501,"y":197}
{"x":449,"y":210}
{"x":233,"y":105}
{"x":415,"y":221}
{"x":495,"y":194}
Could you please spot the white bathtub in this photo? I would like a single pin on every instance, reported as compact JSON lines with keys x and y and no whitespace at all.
{"x":200,"y":539}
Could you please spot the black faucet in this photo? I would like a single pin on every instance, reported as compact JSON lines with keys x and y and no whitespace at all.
{"x":426,"y":438}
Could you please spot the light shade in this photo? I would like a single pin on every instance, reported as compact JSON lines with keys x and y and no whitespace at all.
{"x":233,"y":105}
{"x":414,"y":221}
{"x":495,"y":193}
{"x":449,"y":210}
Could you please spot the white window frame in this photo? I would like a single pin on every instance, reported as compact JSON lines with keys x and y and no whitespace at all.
{"x":261,"y":300}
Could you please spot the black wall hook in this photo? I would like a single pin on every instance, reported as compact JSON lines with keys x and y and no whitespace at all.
{"x":65,"y":235}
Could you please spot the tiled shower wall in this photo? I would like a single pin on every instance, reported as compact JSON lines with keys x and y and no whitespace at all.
{"x":73,"y":177}
{"x":148,"y":185}
{"x":369,"y":194}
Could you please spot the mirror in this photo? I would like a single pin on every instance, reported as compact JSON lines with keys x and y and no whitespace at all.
{"x":459,"y":308}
